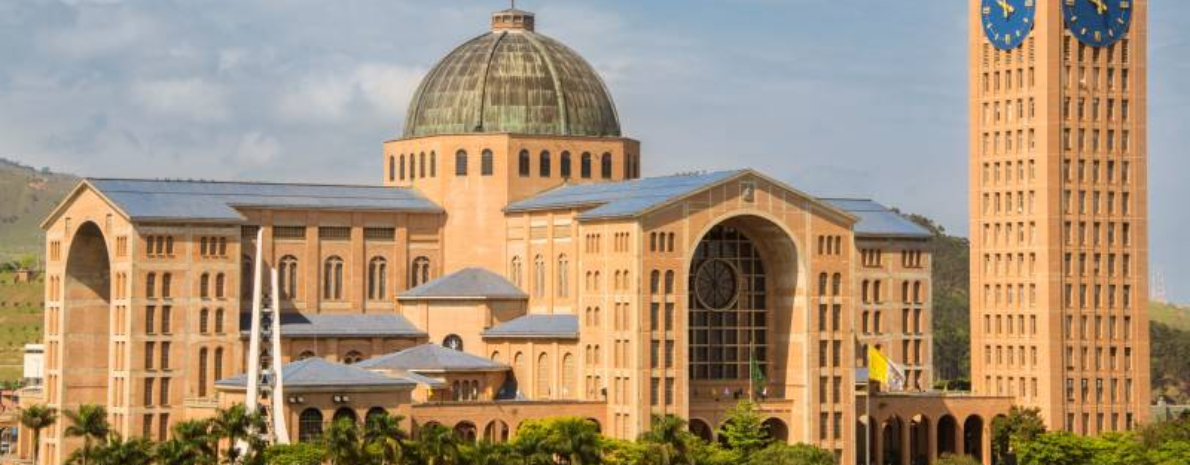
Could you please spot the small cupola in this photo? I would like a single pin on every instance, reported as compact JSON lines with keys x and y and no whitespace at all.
{"x":512,"y":19}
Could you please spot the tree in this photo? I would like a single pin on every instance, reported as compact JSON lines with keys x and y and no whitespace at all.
{"x":117,"y":451}
{"x":234,"y":424}
{"x":36,"y":418}
{"x":575,"y":441}
{"x":383,"y":432}
{"x":1057,"y":448}
{"x":668,"y":441}
{"x":90,"y":423}
{"x":1021,"y":424}
{"x":437,"y":445}
{"x":486,"y":453}
{"x":1119,"y":448}
{"x":295,"y":454}
{"x":797,"y":454}
{"x":192,"y":444}
{"x":744,"y":431}
{"x":956,"y":459}
{"x":343,"y":443}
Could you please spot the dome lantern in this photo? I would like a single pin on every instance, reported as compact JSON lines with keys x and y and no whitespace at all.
{"x":512,"y":19}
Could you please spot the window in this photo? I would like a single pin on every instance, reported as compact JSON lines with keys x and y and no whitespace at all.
{"x":204,"y":317}
{"x":586,"y":166}
{"x":202,"y":372}
{"x":310,"y":425}
{"x":219,"y":321}
{"x":218,"y":363}
{"x":402,"y":168}
{"x":332,"y":278}
{"x":515,"y":270}
{"x":543,"y":376}
{"x":461,"y":163}
{"x":539,"y":276}
{"x":219,"y":281}
{"x":392,"y":168}
{"x":377,"y":278}
{"x":288,"y":276}
{"x":433,"y":164}
{"x":605,"y":166}
{"x":523,"y":163}
{"x":204,"y":285}
{"x":543,"y":164}
{"x":419,"y":271}
{"x":563,"y":279}
{"x":166,"y":281}
{"x":421,"y":165}
{"x":485,"y":163}
{"x":353,"y":357}
{"x":564,"y":170}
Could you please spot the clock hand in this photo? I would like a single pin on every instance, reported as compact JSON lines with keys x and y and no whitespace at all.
{"x":1007,"y":7}
{"x":1100,"y":7}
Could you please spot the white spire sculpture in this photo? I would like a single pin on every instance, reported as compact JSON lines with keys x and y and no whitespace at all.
{"x":266,"y":382}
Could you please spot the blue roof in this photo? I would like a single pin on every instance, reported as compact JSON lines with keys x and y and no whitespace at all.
{"x":621,"y":199}
{"x":468,"y":283}
{"x":298,"y":325}
{"x":537,"y":326}
{"x":431,"y":358}
{"x":316,"y":372}
{"x":876,"y":220}
{"x":159,"y":200}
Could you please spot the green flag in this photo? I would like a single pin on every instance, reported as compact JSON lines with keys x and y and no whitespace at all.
{"x":756,"y":375}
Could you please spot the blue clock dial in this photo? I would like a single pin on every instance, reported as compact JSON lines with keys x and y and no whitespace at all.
{"x":1098,"y":23}
{"x":1008,"y":23}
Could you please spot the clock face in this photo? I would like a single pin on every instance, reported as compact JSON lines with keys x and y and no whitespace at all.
{"x":716,"y":284}
{"x":1098,"y":23}
{"x":1008,"y":23}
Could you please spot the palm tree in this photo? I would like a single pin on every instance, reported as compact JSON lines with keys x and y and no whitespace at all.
{"x":117,"y":451}
{"x":487,"y":453}
{"x":234,"y":424}
{"x":37,"y":418}
{"x":669,"y":440}
{"x":343,"y":443}
{"x":192,"y":444}
{"x":437,"y":445}
{"x":90,"y":423}
{"x":574,"y":441}
{"x":383,"y":432}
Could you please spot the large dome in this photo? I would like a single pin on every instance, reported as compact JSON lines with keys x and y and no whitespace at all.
{"x":512,"y":80}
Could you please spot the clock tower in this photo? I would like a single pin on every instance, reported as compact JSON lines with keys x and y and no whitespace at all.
{"x":1058,"y":208}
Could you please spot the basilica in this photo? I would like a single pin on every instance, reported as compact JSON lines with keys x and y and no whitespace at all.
{"x":513,"y":264}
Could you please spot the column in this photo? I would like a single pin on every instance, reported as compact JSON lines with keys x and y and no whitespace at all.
{"x":958,"y":438}
{"x":985,"y":440}
{"x":932,"y":441}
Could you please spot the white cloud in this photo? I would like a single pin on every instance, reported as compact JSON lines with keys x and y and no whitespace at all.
{"x":256,"y":148}
{"x":192,"y":98}
{"x":388,"y":88}
{"x":384,"y":89}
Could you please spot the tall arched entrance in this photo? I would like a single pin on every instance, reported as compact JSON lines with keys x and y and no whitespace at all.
{"x":741,"y":283}
{"x":87,"y":319}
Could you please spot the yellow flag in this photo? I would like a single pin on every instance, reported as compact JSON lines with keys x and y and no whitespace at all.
{"x":877,"y":366}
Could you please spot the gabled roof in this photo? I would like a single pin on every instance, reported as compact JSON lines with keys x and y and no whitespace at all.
{"x":876,"y":220}
{"x":624,"y":198}
{"x":299,"y":325}
{"x":316,"y":372}
{"x":216,"y":201}
{"x":537,"y":326}
{"x":431,"y":358}
{"x":467,"y":283}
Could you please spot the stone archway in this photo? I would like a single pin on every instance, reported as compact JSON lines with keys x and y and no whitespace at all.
{"x":701,"y":429}
{"x":893,"y":448}
{"x":87,"y":320}
{"x":919,"y":439}
{"x":947,"y":441}
{"x":496,"y":432}
{"x":466,"y":431}
{"x":742,"y":274}
{"x":777,"y":430}
{"x":973,"y":437}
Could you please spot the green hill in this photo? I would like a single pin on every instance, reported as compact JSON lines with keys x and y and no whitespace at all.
{"x":28,"y":196}
{"x":1172,"y":315}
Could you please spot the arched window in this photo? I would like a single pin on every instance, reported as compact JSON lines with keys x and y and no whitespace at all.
{"x":204,"y":317}
{"x":204,"y":285}
{"x":392,"y":168}
{"x":518,"y":371}
{"x":246,"y":279}
{"x":515,"y":270}
{"x":539,"y":276}
{"x":218,"y":321}
{"x":822,"y":279}
{"x":288,"y":276}
{"x":917,"y":293}
{"x":353,"y":357}
{"x":332,"y":278}
{"x":563,"y":276}
{"x":669,"y":282}
{"x":543,"y":377}
{"x":586,"y":166}
{"x":202,"y":372}
{"x":377,"y":278}
{"x":219,"y":280}
{"x":836,"y":284}
{"x":569,"y":376}
{"x":402,"y":168}
{"x":461,"y":163}
{"x":218,"y":363}
{"x":419,"y":271}
{"x":655,"y":282}
{"x":166,"y":284}
{"x":876,"y":294}
{"x":564,"y":169}
{"x":433,"y":164}
{"x":605,"y":166}
{"x":863,"y":291}
{"x":421,"y":165}
{"x":453,"y":342}
{"x":522,"y":163}
{"x":305,"y":355}
{"x":486,"y":164}
{"x":151,"y":285}
{"x":310,"y":425}
{"x":543,"y":165}
{"x":412,"y":167}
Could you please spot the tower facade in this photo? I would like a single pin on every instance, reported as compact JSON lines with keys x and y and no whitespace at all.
{"x":1058,"y":209}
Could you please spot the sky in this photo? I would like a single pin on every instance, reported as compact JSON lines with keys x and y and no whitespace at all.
{"x":856,"y":98}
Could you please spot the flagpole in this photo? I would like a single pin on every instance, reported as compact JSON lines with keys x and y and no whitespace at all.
{"x":868,"y":425}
